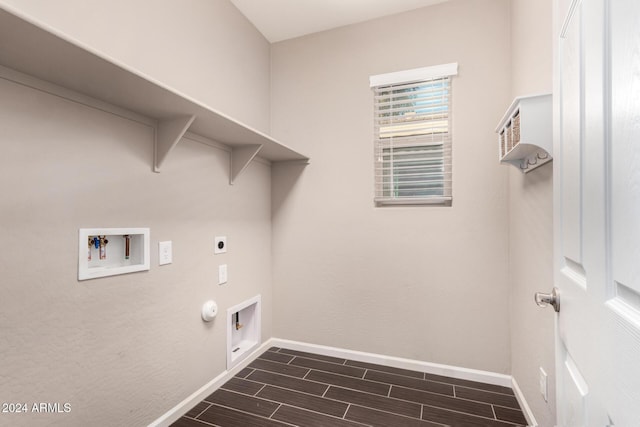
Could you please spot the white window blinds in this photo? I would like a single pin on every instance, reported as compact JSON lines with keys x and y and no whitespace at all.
{"x":412,"y":125}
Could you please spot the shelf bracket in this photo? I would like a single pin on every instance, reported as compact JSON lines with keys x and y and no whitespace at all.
{"x":168,"y":134}
{"x":240,"y":159}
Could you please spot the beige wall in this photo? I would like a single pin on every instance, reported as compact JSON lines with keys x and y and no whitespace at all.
{"x":428,"y":283}
{"x":124,"y":350}
{"x":531,"y":218}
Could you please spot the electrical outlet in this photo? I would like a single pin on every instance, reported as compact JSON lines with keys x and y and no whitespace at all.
{"x":543,"y":384}
{"x":220,"y":245}
{"x":165,"y":253}
{"x":222,"y":274}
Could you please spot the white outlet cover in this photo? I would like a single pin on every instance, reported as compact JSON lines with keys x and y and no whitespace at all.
{"x":220,"y":245}
{"x":543,"y":384}
{"x":165,"y":253}
{"x":222,"y":274}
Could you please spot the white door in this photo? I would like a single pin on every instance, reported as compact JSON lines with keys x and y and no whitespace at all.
{"x":597,"y":211}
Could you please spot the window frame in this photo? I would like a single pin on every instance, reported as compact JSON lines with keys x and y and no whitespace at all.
{"x":417,"y":140}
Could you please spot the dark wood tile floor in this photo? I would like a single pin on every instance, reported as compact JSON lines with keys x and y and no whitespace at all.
{"x":291,"y":388}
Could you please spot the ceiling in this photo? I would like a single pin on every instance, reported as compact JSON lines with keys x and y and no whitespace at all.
{"x":280,"y":20}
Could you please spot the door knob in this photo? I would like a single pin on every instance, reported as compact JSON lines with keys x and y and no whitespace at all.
{"x":552,"y":299}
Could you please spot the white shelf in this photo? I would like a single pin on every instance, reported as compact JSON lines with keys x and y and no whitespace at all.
{"x":40,"y":51}
{"x":525,"y":138}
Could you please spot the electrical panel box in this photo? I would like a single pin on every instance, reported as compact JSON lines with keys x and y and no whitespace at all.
{"x":110,"y":251}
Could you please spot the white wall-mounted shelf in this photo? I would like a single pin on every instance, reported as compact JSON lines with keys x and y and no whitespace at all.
{"x":38,"y":50}
{"x":525,"y":133}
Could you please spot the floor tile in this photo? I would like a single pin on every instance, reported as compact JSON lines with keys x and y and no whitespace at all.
{"x":374,"y":401}
{"x":442,"y":401}
{"x":189,"y":422}
{"x":375,"y":418}
{"x":198,"y":409}
{"x":319,"y":365}
{"x":407,"y":382}
{"x":242,"y":386}
{"x":511,"y":415}
{"x":243,"y":402}
{"x":305,"y":401}
{"x":313,"y":356}
{"x":297,"y":384}
{"x":459,"y":419}
{"x":389,"y":369}
{"x":303,"y":418}
{"x":276,"y":357}
{"x":470,"y":384}
{"x":225,"y":417}
{"x":507,"y":400}
{"x":243,"y":373}
{"x":348,"y":382}
{"x":279,"y":368}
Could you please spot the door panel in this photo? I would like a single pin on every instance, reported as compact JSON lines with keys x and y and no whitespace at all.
{"x":575,"y":391}
{"x":572,"y":324}
{"x":625,"y":136}
{"x":571,"y":134}
{"x":622,"y":321}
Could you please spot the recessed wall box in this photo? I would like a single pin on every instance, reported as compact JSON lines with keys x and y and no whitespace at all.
{"x":110,"y":251}
{"x":243,"y":330}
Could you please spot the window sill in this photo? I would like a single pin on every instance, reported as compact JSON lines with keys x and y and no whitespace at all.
{"x":438,"y":201}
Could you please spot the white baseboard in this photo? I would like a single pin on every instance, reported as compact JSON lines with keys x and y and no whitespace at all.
{"x":432,"y":368}
{"x":397,"y":362}
{"x":528,"y":414}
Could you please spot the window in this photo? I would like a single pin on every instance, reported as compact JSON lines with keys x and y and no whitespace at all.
{"x":412,"y":126}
